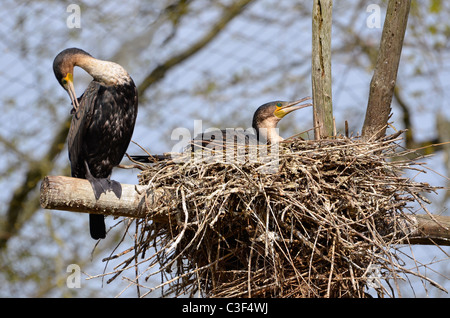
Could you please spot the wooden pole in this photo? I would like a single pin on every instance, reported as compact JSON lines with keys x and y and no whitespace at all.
{"x":385,"y":73}
{"x":321,"y":68}
{"x":76,"y":195}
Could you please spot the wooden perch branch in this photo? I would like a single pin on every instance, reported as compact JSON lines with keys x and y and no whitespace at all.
{"x":76,"y":195}
{"x":428,"y":229}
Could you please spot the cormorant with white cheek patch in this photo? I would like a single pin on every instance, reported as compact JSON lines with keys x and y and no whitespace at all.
{"x":265,"y":121}
{"x":103,"y":120}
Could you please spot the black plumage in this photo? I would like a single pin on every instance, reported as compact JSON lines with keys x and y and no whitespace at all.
{"x":264,"y":124}
{"x":103,"y":120}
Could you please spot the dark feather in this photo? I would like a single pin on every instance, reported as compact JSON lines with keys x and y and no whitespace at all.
{"x":99,"y":136}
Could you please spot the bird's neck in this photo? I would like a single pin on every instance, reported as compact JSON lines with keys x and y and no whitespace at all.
{"x":267,"y":131}
{"x":105,"y":72}
{"x":270,"y":135}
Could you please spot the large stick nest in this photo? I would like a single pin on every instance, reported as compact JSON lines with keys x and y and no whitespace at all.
{"x":317,"y":219}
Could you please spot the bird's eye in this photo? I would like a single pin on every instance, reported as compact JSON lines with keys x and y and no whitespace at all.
{"x":278,"y":104}
{"x":64,"y":81}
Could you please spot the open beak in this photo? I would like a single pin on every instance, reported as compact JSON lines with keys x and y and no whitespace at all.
{"x":290,"y":107}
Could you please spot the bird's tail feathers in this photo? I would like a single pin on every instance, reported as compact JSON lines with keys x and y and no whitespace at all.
{"x":97,"y":226}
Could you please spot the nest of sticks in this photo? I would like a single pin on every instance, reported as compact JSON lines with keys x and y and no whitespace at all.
{"x":313,"y":219}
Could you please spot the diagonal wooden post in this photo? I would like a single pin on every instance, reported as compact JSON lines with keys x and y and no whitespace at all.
{"x":385,"y":75}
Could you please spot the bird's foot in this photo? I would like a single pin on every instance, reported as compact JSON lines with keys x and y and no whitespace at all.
{"x":101,"y":185}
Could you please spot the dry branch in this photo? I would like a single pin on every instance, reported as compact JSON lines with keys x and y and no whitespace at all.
{"x":429,"y":229}
{"x":76,"y":195}
{"x":228,"y":14}
{"x":20,"y":201}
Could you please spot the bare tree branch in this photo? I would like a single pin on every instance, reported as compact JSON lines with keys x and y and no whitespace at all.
{"x":36,"y":171}
{"x":160,"y":71}
{"x":385,"y":74}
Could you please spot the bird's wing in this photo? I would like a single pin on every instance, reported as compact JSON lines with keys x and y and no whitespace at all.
{"x":203,"y":139}
{"x":221,"y":139}
{"x":78,"y":128}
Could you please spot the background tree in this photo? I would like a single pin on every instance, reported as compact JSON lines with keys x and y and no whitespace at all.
{"x":192,"y":59}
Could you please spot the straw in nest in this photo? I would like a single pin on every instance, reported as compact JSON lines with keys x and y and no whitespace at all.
{"x":323,"y":224}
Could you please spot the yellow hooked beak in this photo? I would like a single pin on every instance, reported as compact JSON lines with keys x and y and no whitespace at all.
{"x":67,"y":82}
{"x":284,"y":109}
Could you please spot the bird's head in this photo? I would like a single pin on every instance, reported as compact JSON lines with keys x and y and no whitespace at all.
{"x":63,"y":68}
{"x":268,"y":115}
